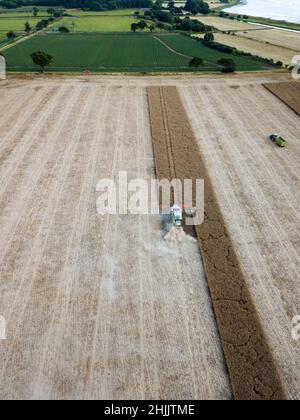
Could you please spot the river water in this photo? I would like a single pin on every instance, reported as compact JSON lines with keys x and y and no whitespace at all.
{"x":288,"y":10}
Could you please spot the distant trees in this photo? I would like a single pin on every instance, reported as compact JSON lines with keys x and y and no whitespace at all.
{"x":58,"y":13}
{"x":227,"y":65}
{"x":27,"y":28}
{"x":64,"y":30}
{"x":42,"y":24}
{"x":142,"y":25}
{"x":41,"y":59}
{"x":191,"y":25}
{"x":161,"y":25}
{"x":96,"y":5}
{"x":208,"y":38}
{"x":35,"y":11}
{"x":11,"y":35}
{"x":171,"y":6}
{"x":196,"y":62}
{"x":8,"y":4}
{"x":51,"y":11}
{"x":134,"y":27}
{"x":197,"y":6}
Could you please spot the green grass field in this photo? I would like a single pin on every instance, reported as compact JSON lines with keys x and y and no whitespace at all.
{"x":188,"y":46}
{"x":16,"y":14}
{"x":119,"y":53}
{"x":16,"y":24}
{"x":97,"y":23}
{"x":119,"y":12}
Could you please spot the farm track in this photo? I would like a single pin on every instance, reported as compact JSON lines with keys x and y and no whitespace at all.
{"x":248,"y":355}
{"x":171,"y":49}
{"x":87,"y":297}
{"x":289,"y":93}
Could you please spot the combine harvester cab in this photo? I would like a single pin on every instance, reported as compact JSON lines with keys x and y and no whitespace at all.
{"x":280,"y":141}
{"x":176,"y":216}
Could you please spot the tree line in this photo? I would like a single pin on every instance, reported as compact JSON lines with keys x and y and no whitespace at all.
{"x":94,"y":5}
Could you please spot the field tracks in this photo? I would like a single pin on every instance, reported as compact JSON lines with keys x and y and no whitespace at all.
{"x":249,"y":358}
{"x":171,"y":49}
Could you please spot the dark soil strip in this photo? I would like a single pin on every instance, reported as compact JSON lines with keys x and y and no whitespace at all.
{"x":287,"y":92}
{"x":249,"y":358}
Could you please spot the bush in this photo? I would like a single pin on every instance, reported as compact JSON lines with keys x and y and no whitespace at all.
{"x":196,"y":62}
{"x":208,"y":38}
{"x":11,"y":35}
{"x":63,"y":29}
{"x":219,"y":47}
{"x":228,"y":65}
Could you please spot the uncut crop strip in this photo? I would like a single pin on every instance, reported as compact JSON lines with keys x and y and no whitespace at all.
{"x":249,"y":358}
{"x":287,"y":92}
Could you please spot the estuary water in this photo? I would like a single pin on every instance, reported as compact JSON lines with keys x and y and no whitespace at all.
{"x":287,"y":10}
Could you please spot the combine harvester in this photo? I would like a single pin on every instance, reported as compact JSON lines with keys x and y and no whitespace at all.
{"x":177,"y":215}
{"x":280,"y":141}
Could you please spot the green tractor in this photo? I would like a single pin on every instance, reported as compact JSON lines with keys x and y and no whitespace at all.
{"x":280,"y":141}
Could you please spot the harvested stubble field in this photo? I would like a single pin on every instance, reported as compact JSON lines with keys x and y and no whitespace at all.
{"x":258,"y":40}
{"x":288,"y":92}
{"x":248,"y":355}
{"x":261,"y":49}
{"x":101,"y":307}
{"x":224,"y":24}
{"x":257,"y":185}
{"x":96,"y":306}
{"x":276,"y":37}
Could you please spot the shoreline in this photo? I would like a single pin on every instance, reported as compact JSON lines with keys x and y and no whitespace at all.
{"x":280,"y":28}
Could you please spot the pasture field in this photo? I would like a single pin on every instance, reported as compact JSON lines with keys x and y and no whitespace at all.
{"x":116,"y":52}
{"x":183,"y":45}
{"x":97,"y":23}
{"x":25,"y":9}
{"x":16,"y":24}
{"x":119,"y":12}
{"x":20,"y":14}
